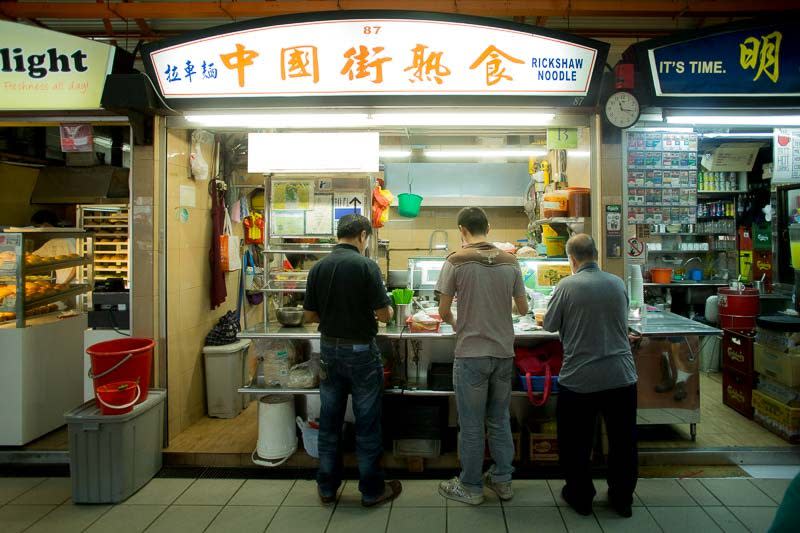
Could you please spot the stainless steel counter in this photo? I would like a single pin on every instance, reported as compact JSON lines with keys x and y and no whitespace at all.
{"x":688,"y":284}
{"x":276,"y":331}
{"x":663,"y":324}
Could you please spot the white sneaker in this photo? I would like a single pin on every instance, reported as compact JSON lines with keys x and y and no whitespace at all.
{"x":453,"y":489}
{"x":502,"y":489}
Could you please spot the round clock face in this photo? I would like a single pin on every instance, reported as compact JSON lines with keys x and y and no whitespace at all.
{"x":622,"y":109}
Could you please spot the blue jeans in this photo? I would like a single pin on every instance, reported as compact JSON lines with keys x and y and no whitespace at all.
{"x":483,"y":399}
{"x":351,"y":369}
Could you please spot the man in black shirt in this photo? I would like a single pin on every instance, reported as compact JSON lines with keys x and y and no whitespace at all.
{"x":346,"y":295}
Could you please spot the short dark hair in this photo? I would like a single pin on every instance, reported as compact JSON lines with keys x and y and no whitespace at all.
{"x":582,"y":247}
{"x":351,"y":226}
{"x":474,"y":220}
{"x":44,"y":216}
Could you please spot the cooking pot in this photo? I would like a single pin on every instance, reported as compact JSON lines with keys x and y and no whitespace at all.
{"x":661,"y":275}
{"x":290,"y":316}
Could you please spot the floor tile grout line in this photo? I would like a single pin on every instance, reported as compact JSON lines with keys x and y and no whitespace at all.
{"x":717,"y":523}
{"x":99,"y":517}
{"x":763,"y":491}
{"x":155,"y":519}
{"x":653,"y":518}
{"x":224,"y":505}
{"x":737,"y":517}
{"x":704,"y":488}
{"x":27,"y":491}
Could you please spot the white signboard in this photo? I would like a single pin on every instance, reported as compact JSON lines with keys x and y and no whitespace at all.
{"x":313,"y":152}
{"x":374,"y":57}
{"x":786,"y":154}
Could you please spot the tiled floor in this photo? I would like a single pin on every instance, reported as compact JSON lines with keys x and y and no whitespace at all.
{"x":221,"y":505}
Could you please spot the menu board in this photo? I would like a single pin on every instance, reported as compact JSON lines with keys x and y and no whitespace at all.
{"x":786,"y":154}
{"x":662,"y":178}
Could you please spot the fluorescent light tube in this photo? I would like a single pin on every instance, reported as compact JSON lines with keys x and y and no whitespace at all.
{"x":371,"y":120}
{"x":760,"y":135}
{"x":394,"y":154}
{"x":736,"y":120}
{"x":484,"y":154}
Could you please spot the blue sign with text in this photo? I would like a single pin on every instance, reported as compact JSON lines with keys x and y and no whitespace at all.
{"x":759,"y":61}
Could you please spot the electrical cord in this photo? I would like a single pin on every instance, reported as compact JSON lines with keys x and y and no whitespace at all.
{"x":114,"y":324}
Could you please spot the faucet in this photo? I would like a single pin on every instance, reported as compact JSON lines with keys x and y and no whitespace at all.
{"x":690,"y":260}
{"x":441,"y":246}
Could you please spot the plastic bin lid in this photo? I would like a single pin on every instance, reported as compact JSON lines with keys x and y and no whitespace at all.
{"x":89,"y":412}
{"x":237,"y":346}
{"x":779,"y":322}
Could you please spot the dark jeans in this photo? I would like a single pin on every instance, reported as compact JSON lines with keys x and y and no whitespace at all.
{"x":351,"y":369}
{"x":577,"y":416}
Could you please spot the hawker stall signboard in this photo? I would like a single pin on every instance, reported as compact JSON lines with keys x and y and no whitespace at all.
{"x":730,"y":63}
{"x":45,"y":70}
{"x":374,"y":54}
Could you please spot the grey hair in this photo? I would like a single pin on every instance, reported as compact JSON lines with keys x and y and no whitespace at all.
{"x":582,"y":247}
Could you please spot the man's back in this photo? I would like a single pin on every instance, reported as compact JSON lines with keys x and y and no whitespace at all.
{"x":346,"y":289}
{"x":590,"y":311}
{"x":485,"y":280}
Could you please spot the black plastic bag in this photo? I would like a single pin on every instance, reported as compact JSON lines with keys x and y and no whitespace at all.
{"x":225,"y":331}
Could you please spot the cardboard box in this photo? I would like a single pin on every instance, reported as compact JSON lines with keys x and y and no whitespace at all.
{"x":782,"y":367}
{"x":544,"y":448}
{"x":737,"y":391}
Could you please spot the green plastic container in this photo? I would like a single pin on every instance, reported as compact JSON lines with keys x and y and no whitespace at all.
{"x":408,"y":204}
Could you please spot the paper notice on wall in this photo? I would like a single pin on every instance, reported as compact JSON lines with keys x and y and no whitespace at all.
{"x":293,"y":195}
{"x":319,"y":221}
{"x":288,"y":223}
{"x":732,"y":157}
{"x":786,"y":154}
{"x":188,"y":196}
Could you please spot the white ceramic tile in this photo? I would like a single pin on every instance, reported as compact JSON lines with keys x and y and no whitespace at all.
{"x":242,"y":519}
{"x":772,"y":471}
{"x":52,"y":491}
{"x":160,"y":491}
{"x":480,"y":518}
{"x":15,"y":518}
{"x":531,"y":493}
{"x":699,"y":493}
{"x":210,"y":492}
{"x":737,"y":493}
{"x":420,"y":493}
{"x":13,"y":487}
{"x":70,"y":518}
{"x":725,"y":519}
{"x":127,"y":518}
{"x":683,"y":519}
{"x":185,"y":518}
{"x":304,"y":494}
{"x":774,"y":488}
{"x":640,"y":522}
{"x":755,"y":518}
{"x":268,"y":492}
{"x":417,"y":520}
{"x":578,"y":523}
{"x":539,"y":519}
{"x":663,"y":493}
{"x":301,"y":520}
{"x":349,"y":519}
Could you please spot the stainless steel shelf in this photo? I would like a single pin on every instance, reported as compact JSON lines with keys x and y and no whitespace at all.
{"x":394,"y":391}
{"x":31,"y":270}
{"x":307,"y":251}
{"x":276,"y":331}
{"x":74,"y":291}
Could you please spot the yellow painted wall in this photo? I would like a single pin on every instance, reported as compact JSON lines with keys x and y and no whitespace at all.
{"x":16,"y":186}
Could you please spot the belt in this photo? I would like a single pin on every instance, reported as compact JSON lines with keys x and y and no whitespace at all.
{"x":344,"y":342}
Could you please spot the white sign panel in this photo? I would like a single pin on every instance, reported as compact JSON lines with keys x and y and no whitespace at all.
{"x":786,"y":154}
{"x":374,"y":57}
{"x":312,"y":152}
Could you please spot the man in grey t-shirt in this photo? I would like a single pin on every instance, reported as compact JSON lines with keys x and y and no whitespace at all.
{"x":485,"y":280}
{"x":590,"y":311}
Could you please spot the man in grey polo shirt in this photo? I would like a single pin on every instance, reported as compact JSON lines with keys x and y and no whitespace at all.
{"x":590,"y":311}
{"x":485,"y":280}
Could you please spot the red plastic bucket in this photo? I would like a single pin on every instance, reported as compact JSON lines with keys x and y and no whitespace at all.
{"x":127,"y":359}
{"x":743,"y":323}
{"x":118,"y":398}
{"x":739,"y":303}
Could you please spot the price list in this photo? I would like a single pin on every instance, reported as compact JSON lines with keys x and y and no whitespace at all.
{"x":662,"y":178}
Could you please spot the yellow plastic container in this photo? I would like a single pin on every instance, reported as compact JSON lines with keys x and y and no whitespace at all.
{"x":794,"y":243}
{"x":555,"y":242}
{"x":257,"y":201}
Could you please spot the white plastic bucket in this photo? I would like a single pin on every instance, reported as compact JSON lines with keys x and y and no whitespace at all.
{"x":277,"y":436}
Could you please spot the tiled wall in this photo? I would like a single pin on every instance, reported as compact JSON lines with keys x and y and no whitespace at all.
{"x":611,"y":183}
{"x":506,"y":224}
{"x":16,"y":184}
{"x":189,"y":314}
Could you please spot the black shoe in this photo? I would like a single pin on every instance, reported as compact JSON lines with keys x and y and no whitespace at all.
{"x":326,"y":500}
{"x":624,"y":510}
{"x":584,"y":509}
{"x":391,"y":490}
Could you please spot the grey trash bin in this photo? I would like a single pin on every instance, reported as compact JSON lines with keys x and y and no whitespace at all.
{"x":226,"y":372}
{"x":111,"y":457}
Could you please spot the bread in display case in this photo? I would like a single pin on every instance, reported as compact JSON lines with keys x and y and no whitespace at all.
{"x":43,"y":271}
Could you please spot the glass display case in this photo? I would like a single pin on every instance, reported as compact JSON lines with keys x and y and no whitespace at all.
{"x":44,"y":271}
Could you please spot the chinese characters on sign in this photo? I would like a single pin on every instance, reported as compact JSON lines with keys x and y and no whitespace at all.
{"x":786,"y":154}
{"x":385,"y":56}
{"x":768,"y":60}
{"x":495,"y":71}
{"x":239,"y":60}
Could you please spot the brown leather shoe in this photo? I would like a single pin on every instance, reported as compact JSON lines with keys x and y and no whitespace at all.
{"x":391,"y":490}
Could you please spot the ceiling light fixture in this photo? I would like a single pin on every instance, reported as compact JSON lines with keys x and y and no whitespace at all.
{"x":736,"y":120}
